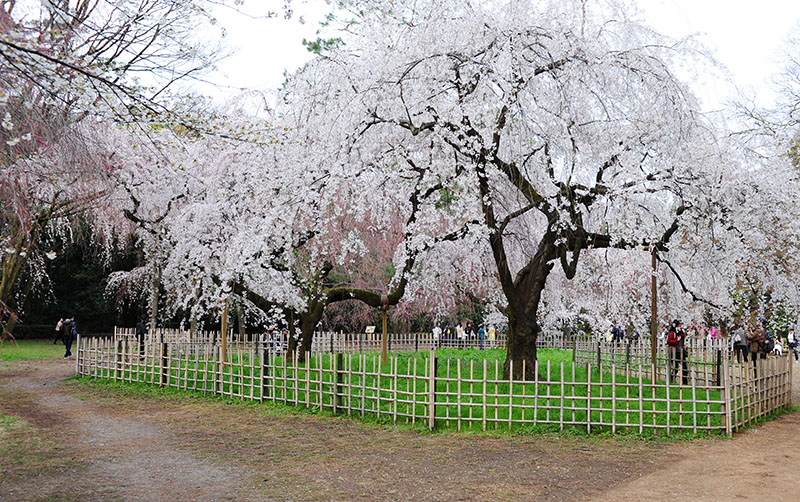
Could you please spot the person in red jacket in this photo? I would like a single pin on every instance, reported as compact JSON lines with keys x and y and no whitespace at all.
{"x":678,"y":354}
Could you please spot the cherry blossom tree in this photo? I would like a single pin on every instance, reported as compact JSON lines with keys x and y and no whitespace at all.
{"x":265,"y":216}
{"x":65,"y":67}
{"x":541,"y":150}
{"x":561,"y":125}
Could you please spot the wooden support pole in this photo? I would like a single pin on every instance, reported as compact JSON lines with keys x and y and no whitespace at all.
{"x":78,"y":355}
{"x":653,"y":311}
{"x":726,"y":389}
{"x":224,"y":327}
{"x":337,"y":384}
{"x":789,"y":381}
{"x":432,"y":390}
{"x":384,"y":337}
{"x":162,"y":378}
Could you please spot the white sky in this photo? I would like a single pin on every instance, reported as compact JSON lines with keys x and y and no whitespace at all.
{"x":746,"y":36}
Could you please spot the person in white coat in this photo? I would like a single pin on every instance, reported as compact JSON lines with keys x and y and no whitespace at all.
{"x":792,"y":343}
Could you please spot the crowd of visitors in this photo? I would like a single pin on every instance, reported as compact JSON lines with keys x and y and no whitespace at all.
{"x":748,"y":341}
{"x":617,"y":333}
{"x":464,"y":334}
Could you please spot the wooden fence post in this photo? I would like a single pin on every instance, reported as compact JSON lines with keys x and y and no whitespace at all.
{"x":77,"y":354}
{"x":599,"y":362}
{"x":337,"y":382}
{"x":432,"y":390}
{"x":264,"y":370}
{"x":164,"y":356}
{"x":791,"y":366}
{"x":727,"y":397}
{"x":118,"y":342}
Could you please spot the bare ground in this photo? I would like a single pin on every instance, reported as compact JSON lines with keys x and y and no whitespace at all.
{"x":90,"y":442}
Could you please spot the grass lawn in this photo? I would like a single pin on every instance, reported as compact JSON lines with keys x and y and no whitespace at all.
{"x":24,"y":350}
{"x":470,"y":391}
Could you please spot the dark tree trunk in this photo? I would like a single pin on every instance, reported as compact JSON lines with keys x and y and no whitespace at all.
{"x":308,"y":323}
{"x":523,"y":322}
{"x":291,"y":343}
{"x":521,"y":346}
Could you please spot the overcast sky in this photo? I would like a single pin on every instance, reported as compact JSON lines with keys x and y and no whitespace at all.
{"x":746,"y":36}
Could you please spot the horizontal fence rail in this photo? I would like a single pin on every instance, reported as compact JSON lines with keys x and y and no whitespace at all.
{"x":455,"y":393}
{"x":332,"y":342}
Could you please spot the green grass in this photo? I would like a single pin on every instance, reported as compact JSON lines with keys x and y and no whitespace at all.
{"x":25,"y":350}
{"x":8,"y":423}
{"x":463,"y":404}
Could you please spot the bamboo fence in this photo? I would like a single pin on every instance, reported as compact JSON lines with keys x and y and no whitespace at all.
{"x":447,"y":392}
{"x":332,"y":342}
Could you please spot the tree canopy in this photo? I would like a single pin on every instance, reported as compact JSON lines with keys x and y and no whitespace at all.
{"x":530,"y":156}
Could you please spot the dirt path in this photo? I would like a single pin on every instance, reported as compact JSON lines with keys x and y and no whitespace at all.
{"x":108,"y":445}
{"x":112,"y":455}
{"x":758,"y":464}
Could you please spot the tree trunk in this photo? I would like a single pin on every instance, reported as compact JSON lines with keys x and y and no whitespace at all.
{"x":154,"y":287}
{"x":523,"y":323}
{"x":308,"y":323}
{"x":291,"y":343}
{"x":12,"y":307}
{"x":193,"y":315}
{"x":7,"y":329}
{"x":240,"y":320}
{"x":521,"y":346}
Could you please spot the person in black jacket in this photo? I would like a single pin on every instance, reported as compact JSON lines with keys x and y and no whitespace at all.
{"x":69,"y":332}
{"x":678,"y":352}
{"x":141,"y":332}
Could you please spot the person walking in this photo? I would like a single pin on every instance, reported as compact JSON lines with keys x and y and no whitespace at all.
{"x":492,"y":336}
{"x":469,"y":333}
{"x":756,"y":338}
{"x":482,"y":336}
{"x":676,"y":340}
{"x":739,"y":341}
{"x":141,"y":333}
{"x":447,"y":335}
{"x":69,"y":332}
{"x":58,"y":335}
{"x":713,"y":333}
{"x":616,"y":333}
{"x":792,"y":342}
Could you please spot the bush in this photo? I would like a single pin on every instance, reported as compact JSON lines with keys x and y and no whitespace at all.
{"x":29,"y":331}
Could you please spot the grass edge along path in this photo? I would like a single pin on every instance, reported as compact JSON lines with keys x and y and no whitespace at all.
{"x":460,"y":406}
{"x":30,"y":350}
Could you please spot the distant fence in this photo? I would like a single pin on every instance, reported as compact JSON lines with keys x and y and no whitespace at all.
{"x":331,"y":342}
{"x":450,"y":392}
